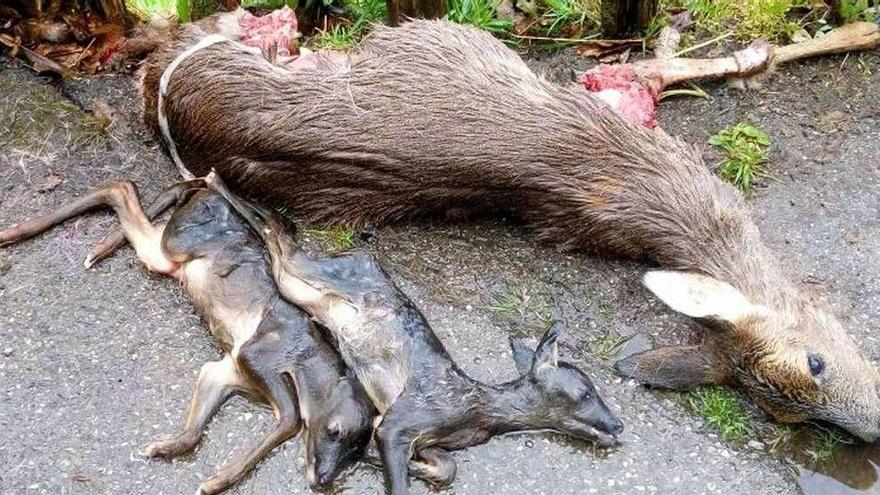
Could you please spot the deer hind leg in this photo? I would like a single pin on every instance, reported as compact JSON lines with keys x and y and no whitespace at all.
{"x":217,"y":381}
{"x":168,"y":198}
{"x":123,"y":198}
{"x":433,"y":465}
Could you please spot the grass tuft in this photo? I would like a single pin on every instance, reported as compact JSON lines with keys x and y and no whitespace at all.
{"x":858,"y":10}
{"x":720,"y":408}
{"x":478,"y":13}
{"x":146,"y":9}
{"x":608,"y":344}
{"x":569,"y":14}
{"x":335,"y":238}
{"x":519,"y":303}
{"x":749,"y":19}
{"x":745,"y":147}
{"x":339,"y":37}
{"x":362,"y":14}
{"x":826,"y":443}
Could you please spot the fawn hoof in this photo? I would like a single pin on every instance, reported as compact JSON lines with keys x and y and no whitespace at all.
{"x":167,"y":448}
{"x":214,"y":484}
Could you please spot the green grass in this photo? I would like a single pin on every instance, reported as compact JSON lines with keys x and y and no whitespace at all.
{"x":339,"y":37}
{"x":335,"y":238}
{"x":720,"y":408}
{"x":362,"y":14}
{"x":519,"y":303}
{"x":608,"y":344}
{"x":857,"y":10}
{"x":826,"y":443}
{"x":749,"y":19}
{"x":181,"y":8}
{"x":745,"y":149}
{"x":780,"y":437}
{"x":478,"y":13}
{"x":562,"y":14}
{"x":148,"y":8}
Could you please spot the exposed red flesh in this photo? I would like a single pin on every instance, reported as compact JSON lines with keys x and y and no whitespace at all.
{"x":619,"y":86}
{"x":276,"y":29}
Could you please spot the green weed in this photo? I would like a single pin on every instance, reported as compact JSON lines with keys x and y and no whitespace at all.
{"x":825,"y":444}
{"x":745,"y":147}
{"x":336,"y":238}
{"x":560,"y":14}
{"x":478,"y":13}
{"x":339,"y":37}
{"x":148,"y":8}
{"x":519,"y":303}
{"x":857,"y":10}
{"x":719,"y":408}
{"x":749,"y":19}
{"x":362,"y":14}
{"x":607,"y":345}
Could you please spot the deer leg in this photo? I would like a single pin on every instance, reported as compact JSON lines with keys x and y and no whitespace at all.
{"x":123,"y":198}
{"x":395,"y":437}
{"x":166,"y":199}
{"x":434,"y":465}
{"x":660,"y":73}
{"x":217,"y":381}
{"x":281,"y":394}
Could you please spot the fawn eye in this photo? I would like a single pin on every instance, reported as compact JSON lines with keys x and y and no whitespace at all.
{"x":817,"y":366}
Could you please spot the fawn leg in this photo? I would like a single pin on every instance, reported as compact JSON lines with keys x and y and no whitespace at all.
{"x":123,"y":198}
{"x":258,"y":359}
{"x":283,"y":399}
{"x":433,"y":465}
{"x":165,"y":200}
{"x":395,"y":445}
{"x":217,"y":381}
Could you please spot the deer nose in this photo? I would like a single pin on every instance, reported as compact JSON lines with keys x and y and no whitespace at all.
{"x":615,"y":426}
{"x":323,"y":480}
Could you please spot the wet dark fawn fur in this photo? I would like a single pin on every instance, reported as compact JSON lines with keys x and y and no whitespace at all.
{"x":428,"y":404}
{"x":432,"y":117}
{"x":272,"y":350}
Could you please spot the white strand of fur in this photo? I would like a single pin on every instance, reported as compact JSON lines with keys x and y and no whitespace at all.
{"x":163,"y":92}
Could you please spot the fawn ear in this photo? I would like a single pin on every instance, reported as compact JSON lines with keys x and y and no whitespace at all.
{"x":547,"y":353}
{"x":523,"y":355}
{"x":698,"y":296}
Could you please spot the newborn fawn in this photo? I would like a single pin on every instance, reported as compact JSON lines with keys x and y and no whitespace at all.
{"x":271,"y":349}
{"x":428,"y":404}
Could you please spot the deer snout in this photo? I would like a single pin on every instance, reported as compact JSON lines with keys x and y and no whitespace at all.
{"x":613,"y":425}
{"x":321,"y":480}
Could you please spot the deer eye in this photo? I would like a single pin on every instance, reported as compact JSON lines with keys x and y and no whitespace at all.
{"x":817,"y":366}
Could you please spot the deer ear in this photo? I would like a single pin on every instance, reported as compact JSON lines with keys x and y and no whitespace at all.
{"x":701,"y":297}
{"x":676,"y":367}
{"x":547,"y":353}
{"x":523,"y":355}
